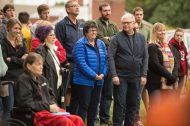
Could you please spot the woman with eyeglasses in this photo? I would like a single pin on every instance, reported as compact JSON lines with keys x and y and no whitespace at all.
{"x":90,"y":67}
{"x":33,"y":93}
{"x":52,"y":65}
{"x":162,"y":67}
{"x":181,"y":56}
{"x":35,"y":43}
{"x":14,"y":53}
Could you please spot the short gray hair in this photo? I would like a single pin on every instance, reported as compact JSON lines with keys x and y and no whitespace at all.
{"x":128,"y":16}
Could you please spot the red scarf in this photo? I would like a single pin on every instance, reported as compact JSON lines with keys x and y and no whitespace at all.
{"x":183,"y":54}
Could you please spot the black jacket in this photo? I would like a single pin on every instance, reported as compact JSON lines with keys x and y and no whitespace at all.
{"x":49,"y":70}
{"x":15,"y":65}
{"x":177,"y":55}
{"x":33,"y":94}
{"x":68,"y":34}
{"x":156,"y":70}
{"x":125,"y":61}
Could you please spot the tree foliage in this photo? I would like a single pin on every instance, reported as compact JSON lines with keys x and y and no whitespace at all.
{"x":174,"y":13}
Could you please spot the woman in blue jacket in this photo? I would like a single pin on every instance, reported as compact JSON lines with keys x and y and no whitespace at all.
{"x":90,"y":67}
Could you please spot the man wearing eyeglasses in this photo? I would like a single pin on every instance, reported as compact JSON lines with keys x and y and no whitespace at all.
{"x":106,"y":29}
{"x":128,"y":61}
{"x":68,"y":31}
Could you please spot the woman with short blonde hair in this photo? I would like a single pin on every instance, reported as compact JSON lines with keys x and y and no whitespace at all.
{"x":158,"y":28}
{"x":162,"y":70}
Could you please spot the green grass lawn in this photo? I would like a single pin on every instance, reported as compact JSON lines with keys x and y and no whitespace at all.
{"x":142,"y":113}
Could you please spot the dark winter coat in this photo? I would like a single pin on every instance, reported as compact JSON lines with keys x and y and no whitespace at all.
{"x":33,"y":94}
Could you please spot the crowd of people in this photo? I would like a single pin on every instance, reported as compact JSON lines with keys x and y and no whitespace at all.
{"x":105,"y":64}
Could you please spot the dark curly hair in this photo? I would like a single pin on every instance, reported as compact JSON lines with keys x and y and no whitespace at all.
{"x":88,"y":24}
{"x":42,"y":32}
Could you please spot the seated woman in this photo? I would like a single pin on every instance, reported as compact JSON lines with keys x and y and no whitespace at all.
{"x":33,"y":92}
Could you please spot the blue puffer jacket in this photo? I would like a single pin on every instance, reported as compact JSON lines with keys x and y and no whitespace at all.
{"x":87,"y":64}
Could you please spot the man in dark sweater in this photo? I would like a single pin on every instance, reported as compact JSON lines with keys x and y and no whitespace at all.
{"x":128,"y":61}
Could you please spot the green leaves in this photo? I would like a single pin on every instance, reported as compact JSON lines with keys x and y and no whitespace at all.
{"x":173,"y":13}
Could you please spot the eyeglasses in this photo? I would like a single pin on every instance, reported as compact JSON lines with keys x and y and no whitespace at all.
{"x":161,"y":32}
{"x":75,"y":5}
{"x":51,"y":35}
{"x":124,"y":23}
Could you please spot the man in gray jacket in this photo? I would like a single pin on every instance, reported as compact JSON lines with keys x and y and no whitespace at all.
{"x":128,"y":61}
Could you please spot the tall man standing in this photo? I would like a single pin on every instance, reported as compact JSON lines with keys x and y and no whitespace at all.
{"x":128,"y":60}
{"x":139,"y":15}
{"x":106,"y":29}
{"x":44,"y":14}
{"x":68,"y":31}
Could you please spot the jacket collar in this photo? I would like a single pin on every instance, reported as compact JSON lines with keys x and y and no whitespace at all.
{"x":87,"y":42}
{"x":36,"y":81}
{"x":104,"y":22}
{"x":69,"y":22}
{"x":48,"y":58}
{"x":180,"y":46}
{"x":125,"y":33}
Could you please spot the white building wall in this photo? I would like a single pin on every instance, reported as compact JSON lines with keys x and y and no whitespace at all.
{"x":34,"y":2}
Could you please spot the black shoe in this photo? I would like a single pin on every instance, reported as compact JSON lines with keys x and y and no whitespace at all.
{"x":108,"y":123}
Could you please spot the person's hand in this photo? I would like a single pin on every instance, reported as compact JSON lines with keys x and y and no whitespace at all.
{"x":24,"y":56}
{"x":9,"y":59}
{"x":98,"y":77}
{"x":108,"y":38}
{"x":171,"y":80}
{"x":54,"y":108}
{"x":116,"y":80}
{"x":143,"y":81}
{"x":102,"y":76}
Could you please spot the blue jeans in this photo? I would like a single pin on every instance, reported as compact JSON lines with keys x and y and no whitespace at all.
{"x":125,"y":101}
{"x":106,"y":100}
{"x":89,"y":99}
{"x":6,"y":104}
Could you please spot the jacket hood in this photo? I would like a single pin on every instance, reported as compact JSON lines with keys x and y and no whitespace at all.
{"x":174,"y":42}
